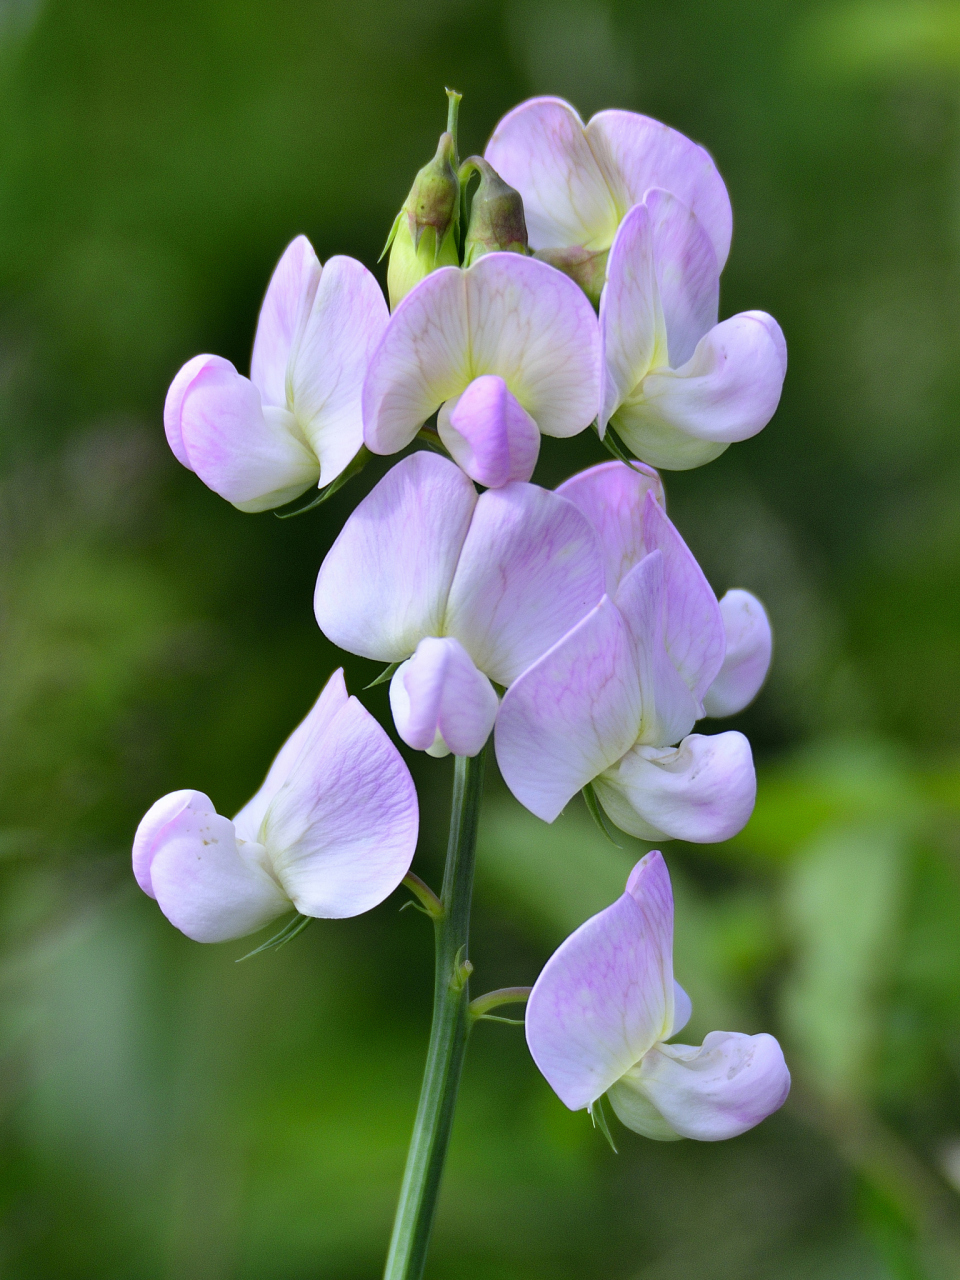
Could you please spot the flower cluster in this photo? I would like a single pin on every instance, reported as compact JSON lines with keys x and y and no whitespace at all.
{"x":574,"y":625}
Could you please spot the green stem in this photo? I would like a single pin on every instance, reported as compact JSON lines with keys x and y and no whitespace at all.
{"x":448,"y":1034}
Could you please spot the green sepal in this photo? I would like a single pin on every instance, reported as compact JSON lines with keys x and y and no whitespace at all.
{"x":597,"y":814}
{"x":286,"y":934}
{"x":385,"y":675}
{"x":599,"y":1118}
{"x":352,"y":469}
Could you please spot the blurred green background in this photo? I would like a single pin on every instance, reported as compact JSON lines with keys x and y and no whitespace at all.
{"x":166,"y":1113}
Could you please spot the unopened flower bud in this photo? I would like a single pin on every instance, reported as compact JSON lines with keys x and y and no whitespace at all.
{"x":586,"y":266}
{"x":424,"y":235}
{"x":496,"y":214}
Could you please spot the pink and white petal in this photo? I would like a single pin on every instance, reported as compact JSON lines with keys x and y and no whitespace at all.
{"x":212,"y":887}
{"x":173,"y":405}
{"x":695,"y":635}
{"x":150,"y":832}
{"x":342,"y":829}
{"x":605,"y":996}
{"x":540,"y":148}
{"x":611,"y":496}
{"x":422,"y":359}
{"x":303,"y":739}
{"x":702,"y":791}
{"x":530,"y":569}
{"x":384,"y":583}
{"x":716,"y":1091}
{"x":253,"y":457}
{"x":441,"y":702}
{"x":687,"y":274}
{"x":489,"y":434}
{"x":669,"y":709}
{"x":649,"y":154}
{"x":533,"y":327}
{"x":329,"y":364}
{"x":283,"y":315}
{"x":632,"y":328}
{"x":727,"y":391}
{"x":571,"y":715}
{"x":749,"y":649}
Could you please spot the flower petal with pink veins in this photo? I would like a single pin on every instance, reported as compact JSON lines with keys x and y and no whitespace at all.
{"x":570,"y":196}
{"x":702,"y":791}
{"x":645,"y":153}
{"x":384,"y":583}
{"x":340,"y":333}
{"x":694,"y":629}
{"x":303,"y":739}
{"x":714,"y":1092}
{"x":573,"y":714}
{"x":606,"y":995}
{"x":749,"y":649}
{"x":255,"y":457}
{"x":489,"y":434}
{"x":727,"y":391}
{"x":441,"y":702}
{"x":283,"y":316}
{"x":633,"y":333}
{"x":529,"y":570}
{"x":506,"y":315}
{"x":688,"y":278}
{"x":342,"y":829}
{"x":611,"y":496}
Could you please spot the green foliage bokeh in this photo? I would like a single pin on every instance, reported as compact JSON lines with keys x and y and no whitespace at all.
{"x":167,"y":1113}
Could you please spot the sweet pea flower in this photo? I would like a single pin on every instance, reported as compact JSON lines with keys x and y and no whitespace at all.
{"x":604,"y":1006}
{"x":613,"y":702}
{"x":677,"y":386}
{"x":296,"y":421}
{"x":578,"y":181}
{"x":506,"y":350}
{"x":460,"y":590}
{"x":331,"y":832}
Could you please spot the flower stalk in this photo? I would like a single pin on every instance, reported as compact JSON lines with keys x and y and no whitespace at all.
{"x":448,"y":1033}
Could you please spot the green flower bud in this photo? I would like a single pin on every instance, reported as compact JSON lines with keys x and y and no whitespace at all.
{"x":587,"y":267}
{"x":424,"y":235}
{"x":496,"y":214}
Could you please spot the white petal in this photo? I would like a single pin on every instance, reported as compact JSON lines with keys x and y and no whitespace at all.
{"x":541,"y":149}
{"x":702,"y":791}
{"x":344,"y":326}
{"x":150,"y":831}
{"x":728,"y":390}
{"x":174,"y":403}
{"x":206,"y":883}
{"x":605,"y":996}
{"x":717,"y":1091}
{"x":530,"y":569}
{"x":342,"y":829}
{"x":749,"y":645}
{"x":440,"y":698}
{"x":384,"y":583}
{"x":571,"y":715}
{"x":303,"y":739}
{"x":283,"y":315}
